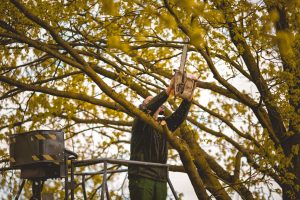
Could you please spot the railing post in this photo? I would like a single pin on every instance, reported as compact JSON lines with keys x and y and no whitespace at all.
{"x":20,"y":189}
{"x":37,"y":186}
{"x":66,"y":177}
{"x":72,"y":184}
{"x":171,"y":186}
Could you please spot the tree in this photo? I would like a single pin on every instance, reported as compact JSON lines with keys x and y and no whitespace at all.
{"x":80,"y":66}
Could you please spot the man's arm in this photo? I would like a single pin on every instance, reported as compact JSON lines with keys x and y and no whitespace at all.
{"x":176,"y":119}
{"x":158,"y":100}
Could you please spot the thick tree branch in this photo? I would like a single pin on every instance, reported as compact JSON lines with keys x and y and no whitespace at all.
{"x":188,"y":164}
{"x":97,"y":121}
{"x":244,"y":192}
{"x":207,"y":175}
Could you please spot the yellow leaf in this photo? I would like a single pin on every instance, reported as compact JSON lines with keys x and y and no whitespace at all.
{"x":109,"y":7}
{"x":197,"y":36}
{"x":114,"y":42}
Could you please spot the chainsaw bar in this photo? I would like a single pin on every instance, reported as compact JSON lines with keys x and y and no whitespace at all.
{"x":183,"y":56}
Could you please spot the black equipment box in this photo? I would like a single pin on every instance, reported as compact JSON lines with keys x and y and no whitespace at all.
{"x":39,"y":154}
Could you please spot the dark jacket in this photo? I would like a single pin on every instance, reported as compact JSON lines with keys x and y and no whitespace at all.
{"x":148,"y":145}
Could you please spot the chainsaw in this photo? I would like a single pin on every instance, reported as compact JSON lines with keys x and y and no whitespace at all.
{"x":185,"y":84}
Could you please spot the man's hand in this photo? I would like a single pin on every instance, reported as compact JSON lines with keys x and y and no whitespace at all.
{"x":170,"y":89}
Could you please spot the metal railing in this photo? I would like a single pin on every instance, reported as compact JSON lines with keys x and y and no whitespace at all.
{"x":105,"y":171}
{"x":70,"y":185}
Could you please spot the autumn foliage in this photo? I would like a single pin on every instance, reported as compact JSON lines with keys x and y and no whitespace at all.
{"x":84,"y":66}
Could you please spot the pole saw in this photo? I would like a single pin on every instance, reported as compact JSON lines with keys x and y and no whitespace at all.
{"x":184,"y":83}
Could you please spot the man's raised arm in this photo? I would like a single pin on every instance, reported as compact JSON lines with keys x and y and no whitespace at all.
{"x":176,"y":119}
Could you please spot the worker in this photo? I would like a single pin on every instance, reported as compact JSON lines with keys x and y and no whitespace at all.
{"x":148,"y":145}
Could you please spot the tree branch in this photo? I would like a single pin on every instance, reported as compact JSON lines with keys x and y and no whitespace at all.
{"x":65,"y":94}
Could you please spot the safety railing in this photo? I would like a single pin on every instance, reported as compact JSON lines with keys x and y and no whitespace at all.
{"x":70,"y":173}
{"x":104,"y":172}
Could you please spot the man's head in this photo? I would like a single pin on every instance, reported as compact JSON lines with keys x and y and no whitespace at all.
{"x":147,"y":100}
{"x":159,"y":111}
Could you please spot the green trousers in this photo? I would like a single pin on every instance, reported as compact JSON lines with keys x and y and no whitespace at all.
{"x":147,"y":189}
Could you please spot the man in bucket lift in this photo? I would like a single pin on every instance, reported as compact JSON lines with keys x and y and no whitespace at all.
{"x":147,"y":145}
